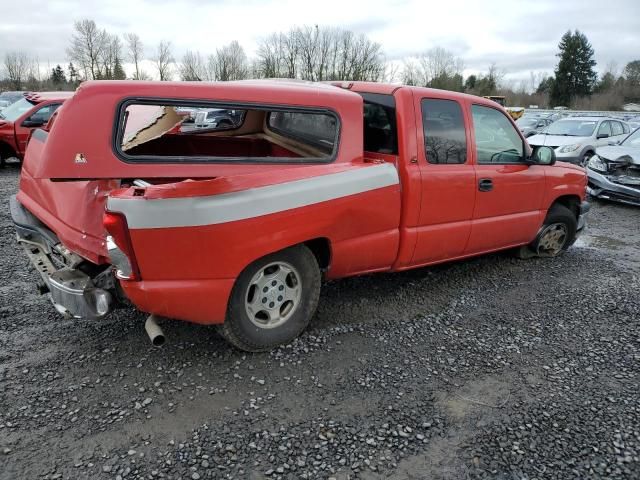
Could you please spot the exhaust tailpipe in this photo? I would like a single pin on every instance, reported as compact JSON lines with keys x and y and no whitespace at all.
{"x":156,"y":335}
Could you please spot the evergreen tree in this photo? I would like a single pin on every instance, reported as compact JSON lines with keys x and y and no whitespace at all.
{"x":575,"y":74}
{"x":74,"y":76}
{"x":470,"y":83}
{"x":486,"y":85}
{"x":545,"y":85}
{"x":57,"y":76}
{"x":606,"y":83}
{"x":118,"y":71}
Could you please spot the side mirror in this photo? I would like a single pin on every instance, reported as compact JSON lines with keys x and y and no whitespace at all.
{"x":36,"y":122}
{"x":612,"y":143}
{"x":602,"y":135}
{"x":543,"y":156}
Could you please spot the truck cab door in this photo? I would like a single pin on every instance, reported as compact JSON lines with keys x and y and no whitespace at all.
{"x":36,"y":119}
{"x":509,"y":190}
{"x":447,"y":178}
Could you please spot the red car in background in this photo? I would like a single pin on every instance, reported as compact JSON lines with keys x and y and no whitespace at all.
{"x":19,"y":119}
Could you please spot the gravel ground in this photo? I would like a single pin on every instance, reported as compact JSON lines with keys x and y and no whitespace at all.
{"x":488,"y":368}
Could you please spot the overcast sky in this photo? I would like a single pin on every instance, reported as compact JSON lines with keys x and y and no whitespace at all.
{"x":520,"y":36}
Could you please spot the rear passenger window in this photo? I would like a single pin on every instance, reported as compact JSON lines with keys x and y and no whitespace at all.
{"x":380,"y":129}
{"x":625,"y":128}
{"x":445,"y":140}
{"x":616,"y":128}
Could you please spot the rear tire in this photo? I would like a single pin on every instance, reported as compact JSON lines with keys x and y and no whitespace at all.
{"x":273,"y":300}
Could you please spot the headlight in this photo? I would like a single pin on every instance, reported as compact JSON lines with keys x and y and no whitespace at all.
{"x":597,"y":164}
{"x":569,"y":148}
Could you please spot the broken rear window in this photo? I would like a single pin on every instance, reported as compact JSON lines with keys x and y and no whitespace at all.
{"x":174,"y":133}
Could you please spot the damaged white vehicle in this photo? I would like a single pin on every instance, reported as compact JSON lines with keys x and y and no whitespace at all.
{"x":614,"y":171}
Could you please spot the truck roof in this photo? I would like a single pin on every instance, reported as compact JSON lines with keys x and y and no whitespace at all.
{"x":391,"y":88}
{"x":297,"y":91}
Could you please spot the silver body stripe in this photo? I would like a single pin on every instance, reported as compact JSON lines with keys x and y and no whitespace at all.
{"x":254,"y":202}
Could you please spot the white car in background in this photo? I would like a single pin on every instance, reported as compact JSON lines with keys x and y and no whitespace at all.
{"x":575,"y":139}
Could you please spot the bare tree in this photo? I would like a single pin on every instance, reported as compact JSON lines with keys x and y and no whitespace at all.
{"x":88,"y":46}
{"x":135,"y":53}
{"x":228,"y":63}
{"x":17,"y":65}
{"x":320,"y":53}
{"x":410,"y":75}
{"x":163,"y":60}
{"x":111,"y":59}
{"x":272,"y":54}
{"x":192,"y":67}
{"x":437,"y":68}
{"x":391,"y":72}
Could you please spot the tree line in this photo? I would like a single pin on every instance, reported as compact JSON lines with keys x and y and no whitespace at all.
{"x":326,"y":53}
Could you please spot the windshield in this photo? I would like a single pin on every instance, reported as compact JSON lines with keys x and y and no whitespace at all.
{"x":527,"y":122}
{"x":13,"y":111}
{"x":632,"y":140}
{"x":572,"y":128}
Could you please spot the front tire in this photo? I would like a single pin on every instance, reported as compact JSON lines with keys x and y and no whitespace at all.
{"x":556,"y":235}
{"x":558,"y":232}
{"x":273,"y":300}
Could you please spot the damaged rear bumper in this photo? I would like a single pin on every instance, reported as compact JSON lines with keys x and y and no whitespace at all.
{"x":600,"y":186}
{"x":72,"y":291}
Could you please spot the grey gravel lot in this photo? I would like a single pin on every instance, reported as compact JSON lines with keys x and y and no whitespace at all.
{"x":487,"y":368}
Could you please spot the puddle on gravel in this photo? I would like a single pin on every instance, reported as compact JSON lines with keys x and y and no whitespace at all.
{"x":600,"y":242}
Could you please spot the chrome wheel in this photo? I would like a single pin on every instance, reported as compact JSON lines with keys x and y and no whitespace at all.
{"x":273,"y":295}
{"x":552,"y":239}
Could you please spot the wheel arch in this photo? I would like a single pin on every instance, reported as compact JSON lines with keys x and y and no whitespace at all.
{"x":588,"y":149}
{"x":7,"y":150}
{"x":572,"y":202}
{"x":321,"y":249}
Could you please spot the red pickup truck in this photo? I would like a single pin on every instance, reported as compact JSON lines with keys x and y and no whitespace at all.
{"x":18,"y":120}
{"x":238,"y":225}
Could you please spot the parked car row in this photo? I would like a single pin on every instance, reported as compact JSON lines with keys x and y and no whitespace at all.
{"x":575,"y":139}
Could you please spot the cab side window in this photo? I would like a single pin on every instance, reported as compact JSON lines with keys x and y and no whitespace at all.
{"x":43,"y":115}
{"x":444,"y":133}
{"x":497,"y":141}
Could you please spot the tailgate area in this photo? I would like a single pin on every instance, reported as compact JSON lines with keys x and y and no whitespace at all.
{"x":76,"y":287}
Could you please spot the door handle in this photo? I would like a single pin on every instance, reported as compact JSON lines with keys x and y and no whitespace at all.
{"x":485,"y":185}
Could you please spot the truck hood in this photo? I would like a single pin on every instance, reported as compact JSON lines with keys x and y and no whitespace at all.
{"x":614,"y":152}
{"x":555,"y":140}
{"x":570,"y":166}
